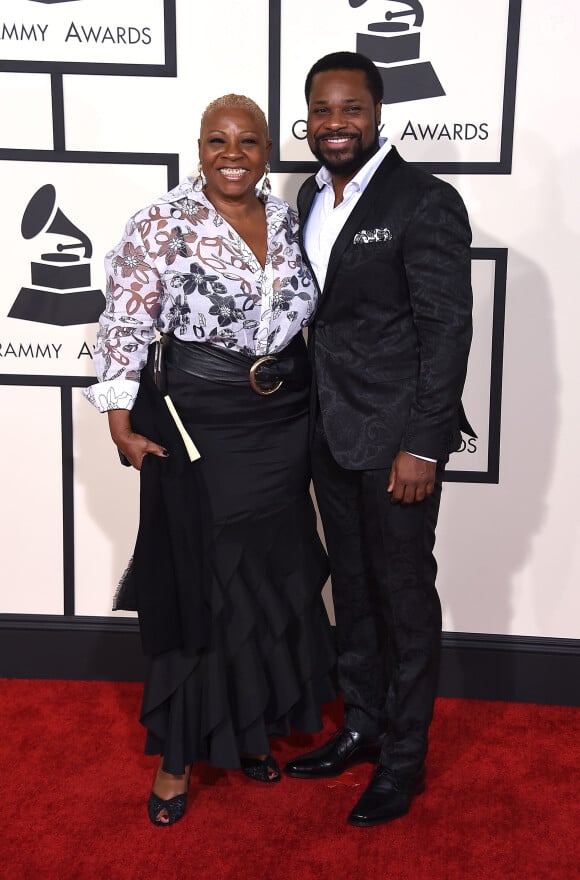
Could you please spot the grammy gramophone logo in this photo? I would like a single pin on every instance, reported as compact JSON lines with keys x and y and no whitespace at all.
{"x":394,"y":46}
{"x":61,"y":291}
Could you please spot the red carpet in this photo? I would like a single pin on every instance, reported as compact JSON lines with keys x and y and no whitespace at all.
{"x":501,"y":800}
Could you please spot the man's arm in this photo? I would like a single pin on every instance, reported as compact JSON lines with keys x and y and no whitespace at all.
{"x":437,"y":259}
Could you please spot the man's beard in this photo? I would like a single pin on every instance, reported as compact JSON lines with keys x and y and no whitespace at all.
{"x":348,"y":166}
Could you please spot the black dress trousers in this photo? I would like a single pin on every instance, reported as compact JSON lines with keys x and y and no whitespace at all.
{"x":388,"y":613}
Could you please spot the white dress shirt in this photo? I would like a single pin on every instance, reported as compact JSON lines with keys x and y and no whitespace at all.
{"x":325,"y":221}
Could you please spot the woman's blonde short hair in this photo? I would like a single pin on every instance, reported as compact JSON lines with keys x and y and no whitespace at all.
{"x":238,"y":102}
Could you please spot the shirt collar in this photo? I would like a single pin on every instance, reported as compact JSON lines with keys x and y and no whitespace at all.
{"x":362,"y":177}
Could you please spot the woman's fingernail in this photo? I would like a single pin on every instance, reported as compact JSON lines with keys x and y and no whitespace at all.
{"x":165,"y":453}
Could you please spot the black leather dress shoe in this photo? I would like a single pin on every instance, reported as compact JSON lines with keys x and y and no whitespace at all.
{"x":343,"y":750}
{"x":386,"y":798}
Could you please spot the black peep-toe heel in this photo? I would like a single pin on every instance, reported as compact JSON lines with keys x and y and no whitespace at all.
{"x":261,"y":770}
{"x":174,"y":807}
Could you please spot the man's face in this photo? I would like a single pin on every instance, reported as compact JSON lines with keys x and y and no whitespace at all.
{"x":342,"y":121}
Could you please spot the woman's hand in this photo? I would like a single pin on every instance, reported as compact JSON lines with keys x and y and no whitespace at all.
{"x":133,"y":446}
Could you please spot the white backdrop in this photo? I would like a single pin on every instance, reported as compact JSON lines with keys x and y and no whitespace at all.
{"x":509,"y":558}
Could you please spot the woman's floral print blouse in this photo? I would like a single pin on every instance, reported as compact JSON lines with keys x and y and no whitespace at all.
{"x":181,"y":268}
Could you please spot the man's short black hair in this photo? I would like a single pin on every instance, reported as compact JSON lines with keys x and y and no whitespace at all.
{"x":347,"y":61}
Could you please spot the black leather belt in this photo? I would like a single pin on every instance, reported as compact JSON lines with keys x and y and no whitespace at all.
{"x":265,"y":375}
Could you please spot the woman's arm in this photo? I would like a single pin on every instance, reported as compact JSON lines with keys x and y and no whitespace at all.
{"x":126,"y":329}
{"x":127,"y":324}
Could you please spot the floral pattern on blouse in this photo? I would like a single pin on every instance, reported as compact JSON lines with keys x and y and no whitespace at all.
{"x":181,"y":268}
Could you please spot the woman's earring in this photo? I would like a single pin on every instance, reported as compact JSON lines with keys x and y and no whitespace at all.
{"x":198,"y":182}
{"x":266,"y":185}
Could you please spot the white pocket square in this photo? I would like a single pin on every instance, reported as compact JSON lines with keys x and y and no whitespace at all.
{"x":370,"y":236}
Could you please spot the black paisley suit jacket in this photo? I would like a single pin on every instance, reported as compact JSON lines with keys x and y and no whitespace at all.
{"x":391,"y":337}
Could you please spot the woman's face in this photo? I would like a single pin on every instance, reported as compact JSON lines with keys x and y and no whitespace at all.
{"x":233,"y":150}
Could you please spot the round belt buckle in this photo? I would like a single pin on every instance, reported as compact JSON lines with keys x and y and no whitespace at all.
{"x":253,"y":378}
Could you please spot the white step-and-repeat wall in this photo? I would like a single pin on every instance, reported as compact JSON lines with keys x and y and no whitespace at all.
{"x":99,"y":106}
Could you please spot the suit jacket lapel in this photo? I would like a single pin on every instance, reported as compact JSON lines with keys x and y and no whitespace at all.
{"x":305,"y":199}
{"x":353,"y":223}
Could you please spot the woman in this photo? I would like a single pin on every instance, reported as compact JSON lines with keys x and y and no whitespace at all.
{"x":214,"y":265}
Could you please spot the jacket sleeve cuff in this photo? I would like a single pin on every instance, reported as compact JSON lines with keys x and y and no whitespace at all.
{"x":115,"y":394}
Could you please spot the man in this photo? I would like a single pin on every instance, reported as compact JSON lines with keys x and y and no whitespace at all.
{"x":389,"y":245}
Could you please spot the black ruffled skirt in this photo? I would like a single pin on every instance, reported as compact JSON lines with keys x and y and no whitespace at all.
{"x":270,"y":659}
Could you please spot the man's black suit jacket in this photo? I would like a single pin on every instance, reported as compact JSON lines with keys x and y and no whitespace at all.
{"x":391,"y":336}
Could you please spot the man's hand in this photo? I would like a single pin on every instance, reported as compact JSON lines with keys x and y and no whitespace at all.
{"x":133,"y":446}
{"x":411,"y":478}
